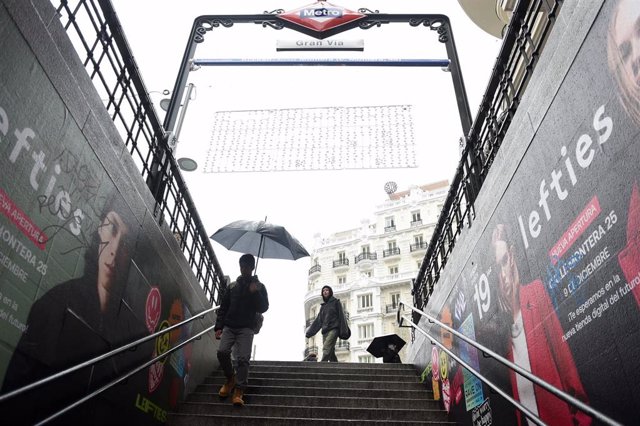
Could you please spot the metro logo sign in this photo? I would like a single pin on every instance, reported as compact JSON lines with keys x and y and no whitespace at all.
{"x":320,"y":16}
{"x":320,"y":13}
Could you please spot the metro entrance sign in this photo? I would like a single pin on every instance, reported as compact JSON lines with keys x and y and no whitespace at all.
{"x":321,"y":16}
{"x":319,"y":20}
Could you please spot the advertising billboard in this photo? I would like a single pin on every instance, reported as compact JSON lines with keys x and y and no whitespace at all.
{"x":78,"y":276}
{"x":553,"y":282}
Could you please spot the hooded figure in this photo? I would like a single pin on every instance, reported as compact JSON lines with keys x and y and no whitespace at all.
{"x":328,"y":320}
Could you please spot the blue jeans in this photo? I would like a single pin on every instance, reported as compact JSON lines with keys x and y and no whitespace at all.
{"x":242,"y":338}
{"x":329,"y":346}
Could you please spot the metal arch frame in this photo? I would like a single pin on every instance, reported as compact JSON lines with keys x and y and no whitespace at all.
{"x":435,"y":22}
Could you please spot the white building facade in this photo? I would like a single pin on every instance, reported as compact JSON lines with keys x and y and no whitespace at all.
{"x":370,"y":269}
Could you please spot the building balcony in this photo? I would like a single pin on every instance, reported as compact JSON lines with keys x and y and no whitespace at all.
{"x":415,"y":223}
{"x":363,"y":257}
{"x":391,"y":253}
{"x":314,"y":271}
{"x":391,"y":228}
{"x":341,"y":264}
{"x":365,"y":261}
{"x":391,"y":309}
{"x":342,"y":345}
{"x":419,"y":248}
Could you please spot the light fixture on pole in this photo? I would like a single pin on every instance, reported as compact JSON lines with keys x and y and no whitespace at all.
{"x":185,"y":163}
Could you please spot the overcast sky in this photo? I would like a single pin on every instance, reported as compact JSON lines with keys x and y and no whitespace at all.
{"x":306,"y":203}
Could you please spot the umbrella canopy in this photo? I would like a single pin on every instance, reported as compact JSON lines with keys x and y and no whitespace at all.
{"x":261,"y":239}
{"x":380,"y":346}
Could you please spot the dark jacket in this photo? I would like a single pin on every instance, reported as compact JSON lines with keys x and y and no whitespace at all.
{"x":238,"y":306}
{"x":329,"y":316}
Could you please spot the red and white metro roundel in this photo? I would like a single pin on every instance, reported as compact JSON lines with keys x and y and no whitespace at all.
{"x":321,"y":16}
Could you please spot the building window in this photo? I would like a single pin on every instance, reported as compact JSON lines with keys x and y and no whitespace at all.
{"x":418,"y":243}
{"x":366,"y":249}
{"x":393,"y":270}
{"x":365,"y":331}
{"x":365,"y":301}
{"x":389,"y":224}
{"x":415,"y":216}
{"x":395,"y":300}
{"x":342,"y":279}
{"x":342,"y":256}
{"x":365,"y":358}
{"x":392,"y":245}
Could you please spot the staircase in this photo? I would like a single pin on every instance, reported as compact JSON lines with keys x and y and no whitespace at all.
{"x":293,"y":393}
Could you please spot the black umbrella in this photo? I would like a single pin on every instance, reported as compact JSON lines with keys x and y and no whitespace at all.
{"x":386,"y":346}
{"x":261,"y":239}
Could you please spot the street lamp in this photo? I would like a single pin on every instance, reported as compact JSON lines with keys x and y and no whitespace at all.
{"x":185,"y":163}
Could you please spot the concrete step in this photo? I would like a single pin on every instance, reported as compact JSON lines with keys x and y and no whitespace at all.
{"x":326,"y":383}
{"x":290,"y":411}
{"x":322,"y":401}
{"x":178,"y":419}
{"x":318,"y":368}
{"x":299,"y":393}
{"x":350,"y":365}
{"x":325,"y":391}
{"x":380,"y":376}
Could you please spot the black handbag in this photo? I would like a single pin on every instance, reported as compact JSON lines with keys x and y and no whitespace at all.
{"x":344,"y":332}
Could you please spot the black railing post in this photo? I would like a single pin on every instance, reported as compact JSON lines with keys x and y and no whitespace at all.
{"x":456,"y":76}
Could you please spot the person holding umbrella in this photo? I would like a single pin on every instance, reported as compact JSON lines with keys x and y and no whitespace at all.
{"x":235,"y":323}
{"x":330,"y":320}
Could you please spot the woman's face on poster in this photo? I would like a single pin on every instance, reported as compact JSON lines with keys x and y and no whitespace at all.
{"x":113,"y":253}
{"x":508,"y":277}
{"x":626,"y":33}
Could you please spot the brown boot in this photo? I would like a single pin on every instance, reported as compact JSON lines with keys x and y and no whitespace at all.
{"x":226,"y":389}
{"x":237,"y":397}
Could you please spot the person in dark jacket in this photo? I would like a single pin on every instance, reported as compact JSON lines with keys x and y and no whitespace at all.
{"x":328,"y":320}
{"x":242,"y":300}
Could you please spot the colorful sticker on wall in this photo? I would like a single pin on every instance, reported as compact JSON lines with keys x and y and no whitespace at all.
{"x":435,"y":385}
{"x":153,"y":308}
{"x":444,"y":365}
{"x":473,"y":393}
{"x":435,"y":363}
{"x":425,"y":373}
{"x":446,"y":394}
{"x":481,"y":416}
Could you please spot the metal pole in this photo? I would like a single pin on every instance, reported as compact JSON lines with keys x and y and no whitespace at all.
{"x":173,"y":143}
{"x":181,"y":79}
{"x":458,"y":82}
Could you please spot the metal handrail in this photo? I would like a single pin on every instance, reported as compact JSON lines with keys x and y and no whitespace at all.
{"x":488,"y":352}
{"x":124,"y":377}
{"x":107,"y":355}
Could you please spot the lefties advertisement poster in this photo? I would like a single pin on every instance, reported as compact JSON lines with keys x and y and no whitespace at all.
{"x":78,"y":277}
{"x":553,"y":283}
